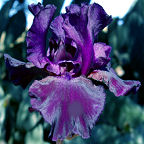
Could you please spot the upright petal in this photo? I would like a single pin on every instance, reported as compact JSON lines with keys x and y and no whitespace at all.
{"x":36,"y":36}
{"x":73,"y":9}
{"x":101,"y":55}
{"x":69,"y":105}
{"x":56,"y":27}
{"x":35,"y":9}
{"x":116,"y":85}
{"x":75,"y":26}
{"x":97,"y":19}
{"x":82,"y":24}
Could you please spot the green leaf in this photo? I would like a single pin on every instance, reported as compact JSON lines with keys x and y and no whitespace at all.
{"x":16,"y":26}
{"x":4,"y":15}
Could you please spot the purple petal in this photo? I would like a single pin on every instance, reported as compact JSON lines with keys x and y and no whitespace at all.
{"x":21,"y":73}
{"x":36,"y":36}
{"x":116,"y":85}
{"x":73,"y":67}
{"x":101,"y":54}
{"x":75,"y":26}
{"x":56,"y":26}
{"x":64,"y":57}
{"x":61,"y":54}
{"x":97,"y":19}
{"x":82,"y":24}
{"x":35,"y":9}
{"x":69,"y":105}
{"x":73,"y":9}
{"x":54,"y":68}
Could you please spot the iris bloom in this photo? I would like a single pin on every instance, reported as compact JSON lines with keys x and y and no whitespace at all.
{"x":65,"y":96}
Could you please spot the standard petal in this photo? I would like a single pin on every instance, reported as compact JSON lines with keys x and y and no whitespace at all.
{"x":97,"y":19}
{"x":75,"y":27}
{"x":116,"y":85}
{"x":73,"y":9}
{"x":69,"y":105}
{"x":101,"y":55}
{"x":36,"y":36}
{"x":35,"y":9}
{"x":56,"y":27}
{"x":21,"y":73}
{"x":82,"y":24}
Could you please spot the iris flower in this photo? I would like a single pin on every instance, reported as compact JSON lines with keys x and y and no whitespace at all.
{"x":65,"y":95}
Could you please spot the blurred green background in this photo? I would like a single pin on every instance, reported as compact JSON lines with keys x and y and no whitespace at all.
{"x":122,"y":121}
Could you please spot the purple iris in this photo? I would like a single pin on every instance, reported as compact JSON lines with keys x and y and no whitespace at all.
{"x":65,"y":96}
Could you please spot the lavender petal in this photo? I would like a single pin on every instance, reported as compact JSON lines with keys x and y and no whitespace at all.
{"x":69,"y":105}
{"x":116,"y":85}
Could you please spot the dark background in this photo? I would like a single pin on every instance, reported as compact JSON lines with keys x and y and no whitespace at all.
{"x":122,"y":121}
